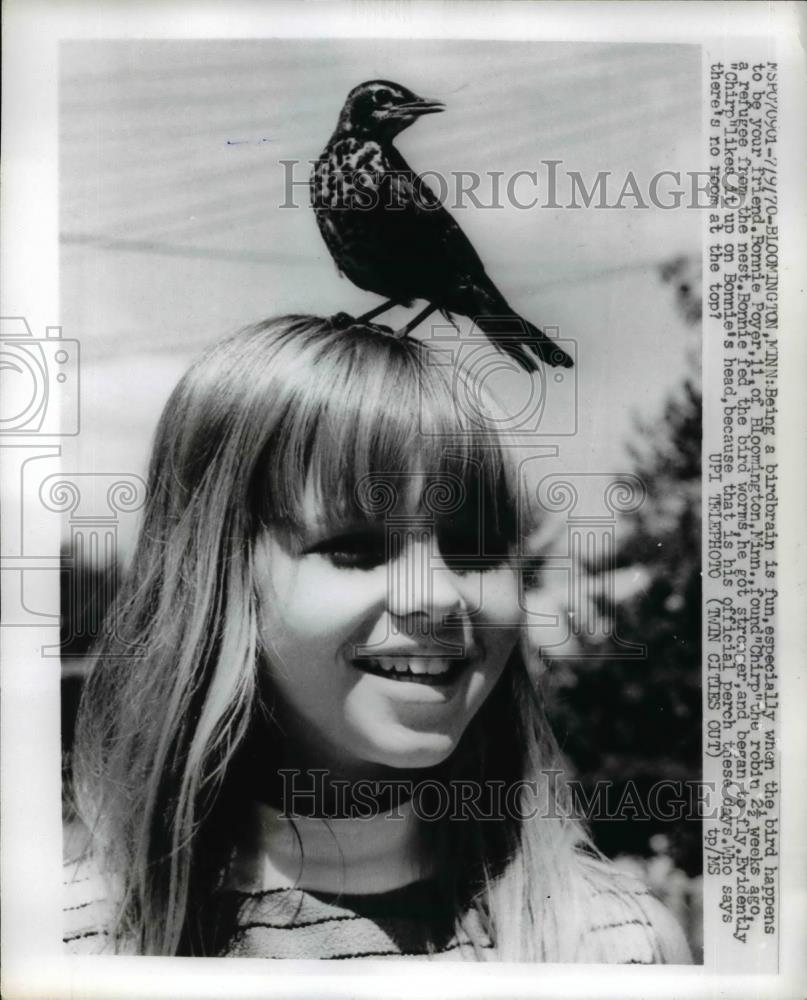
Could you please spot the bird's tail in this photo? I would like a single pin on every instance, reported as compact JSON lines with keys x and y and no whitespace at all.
{"x":516,"y":335}
{"x":523,"y":341}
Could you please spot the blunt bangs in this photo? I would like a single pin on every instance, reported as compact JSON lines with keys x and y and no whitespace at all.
{"x":375,"y":431}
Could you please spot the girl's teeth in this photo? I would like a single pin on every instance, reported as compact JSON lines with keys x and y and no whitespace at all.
{"x":418,"y":665}
{"x":438,"y":666}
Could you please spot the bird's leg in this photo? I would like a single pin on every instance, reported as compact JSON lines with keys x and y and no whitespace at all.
{"x":410,"y":326}
{"x":376,"y":312}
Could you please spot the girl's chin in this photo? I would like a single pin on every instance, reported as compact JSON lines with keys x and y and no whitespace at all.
{"x":414,"y":751}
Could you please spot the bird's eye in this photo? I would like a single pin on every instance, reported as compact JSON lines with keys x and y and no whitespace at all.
{"x":381,"y":96}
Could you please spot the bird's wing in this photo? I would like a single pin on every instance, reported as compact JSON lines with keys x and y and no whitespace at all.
{"x":451,"y":269}
{"x":426,"y":229}
{"x":331,"y":236}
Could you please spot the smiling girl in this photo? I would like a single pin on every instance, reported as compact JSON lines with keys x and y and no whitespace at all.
{"x":312,"y":732}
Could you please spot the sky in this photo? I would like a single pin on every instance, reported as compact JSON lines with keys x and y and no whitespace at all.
{"x":172,"y":234}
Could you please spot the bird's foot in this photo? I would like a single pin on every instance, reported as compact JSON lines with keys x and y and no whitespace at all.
{"x":410,"y":326}
{"x":342,"y":320}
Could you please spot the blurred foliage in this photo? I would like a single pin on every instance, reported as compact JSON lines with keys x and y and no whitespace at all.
{"x":622,"y":720}
{"x":684,"y":274}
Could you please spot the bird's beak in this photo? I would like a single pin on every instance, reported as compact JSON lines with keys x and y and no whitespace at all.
{"x":420,"y":106}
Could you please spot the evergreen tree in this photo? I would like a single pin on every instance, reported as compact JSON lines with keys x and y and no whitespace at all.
{"x":639,"y":720}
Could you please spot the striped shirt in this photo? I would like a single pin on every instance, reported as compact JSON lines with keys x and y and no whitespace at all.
{"x":356,"y":889}
{"x":408,"y":922}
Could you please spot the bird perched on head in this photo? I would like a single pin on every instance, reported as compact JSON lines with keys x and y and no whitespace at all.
{"x":388,"y":232}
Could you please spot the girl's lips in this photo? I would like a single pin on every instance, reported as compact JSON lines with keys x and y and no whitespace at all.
{"x":436,"y":671}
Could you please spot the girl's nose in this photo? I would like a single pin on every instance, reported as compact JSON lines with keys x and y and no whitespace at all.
{"x":419,"y":582}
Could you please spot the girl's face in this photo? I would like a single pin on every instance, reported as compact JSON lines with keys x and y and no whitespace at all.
{"x":380,"y":652}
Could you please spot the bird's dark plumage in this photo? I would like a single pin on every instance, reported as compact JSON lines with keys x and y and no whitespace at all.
{"x":389,"y":233}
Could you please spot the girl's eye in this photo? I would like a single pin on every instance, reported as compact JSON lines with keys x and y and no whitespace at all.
{"x":360,"y":550}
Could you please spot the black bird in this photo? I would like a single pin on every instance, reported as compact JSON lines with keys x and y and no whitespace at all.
{"x":389,"y":233}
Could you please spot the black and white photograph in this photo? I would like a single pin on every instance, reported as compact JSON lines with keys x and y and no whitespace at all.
{"x":392,"y":477}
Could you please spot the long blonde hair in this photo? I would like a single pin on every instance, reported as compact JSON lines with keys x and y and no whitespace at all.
{"x":160,"y":767}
